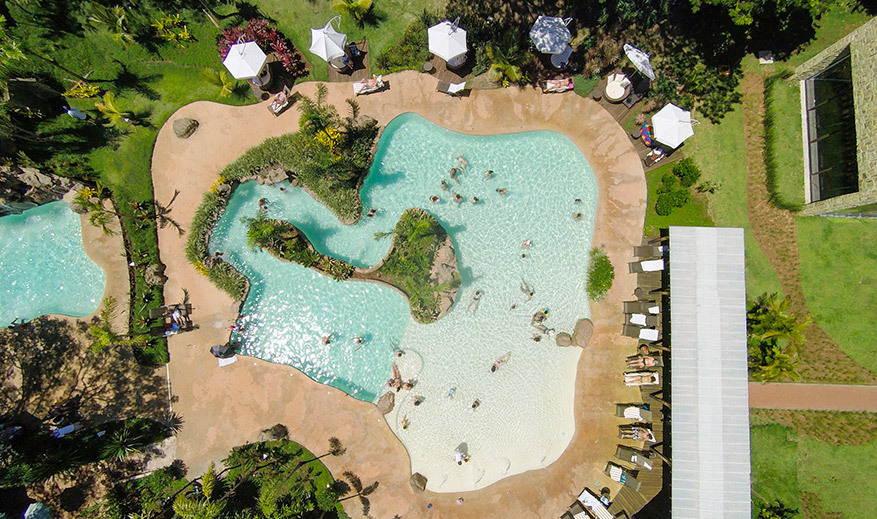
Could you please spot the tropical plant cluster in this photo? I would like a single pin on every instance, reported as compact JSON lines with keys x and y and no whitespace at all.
{"x":408,"y":267}
{"x":170,"y":28}
{"x":674,"y":190}
{"x":774,"y":334}
{"x":266,"y":480}
{"x":284,"y":241}
{"x":330,"y":156}
{"x":269,"y":40}
{"x":601,"y":273}
{"x":410,"y":51}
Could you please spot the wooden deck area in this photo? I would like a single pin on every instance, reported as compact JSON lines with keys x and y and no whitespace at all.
{"x":361,"y":69}
{"x":443,"y":73}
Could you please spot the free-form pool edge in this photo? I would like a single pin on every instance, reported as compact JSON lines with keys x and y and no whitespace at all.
{"x":227,"y":407}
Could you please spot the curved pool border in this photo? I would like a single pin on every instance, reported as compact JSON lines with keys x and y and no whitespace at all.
{"x":224,"y":407}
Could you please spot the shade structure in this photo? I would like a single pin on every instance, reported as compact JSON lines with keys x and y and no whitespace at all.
{"x":447,"y":40}
{"x":245,"y":60}
{"x":640,"y":60}
{"x":550,"y":35}
{"x":328,"y":43}
{"x":672,"y":125}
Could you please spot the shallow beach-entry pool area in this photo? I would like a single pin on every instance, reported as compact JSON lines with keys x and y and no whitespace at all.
{"x":524,"y":419}
{"x":43,"y":266}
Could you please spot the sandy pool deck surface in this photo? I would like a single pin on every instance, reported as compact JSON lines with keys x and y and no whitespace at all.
{"x":224,"y":407}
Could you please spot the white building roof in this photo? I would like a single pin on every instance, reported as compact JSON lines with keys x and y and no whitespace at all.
{"x":710,"y":476}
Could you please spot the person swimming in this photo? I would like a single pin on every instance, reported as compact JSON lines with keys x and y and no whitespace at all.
{"x":500,"y":361}
{"x":502,"y":190}
{"x":488,"y":175}
{"x":452,"y":391}
{"x":444,"y":184}
{"x":461,"y":162}
{"x":453,"y":174}
{"x":434,"y":199}
{"x":526,"y":289}
{"x":476,"y":300}
{"x":458,"y":198}
{"x":371,"y":212}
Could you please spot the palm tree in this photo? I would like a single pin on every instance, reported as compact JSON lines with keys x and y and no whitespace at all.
{"x":162,"y":214}
{"x":769,"y":361}
{"x":219,"y":78}
{"x":505,"y":63}
{"x":114,"y":19}
{"x":123,"y":443}
{"x":317,"y":117}
{"x":769,"y":318}
{"x":358,"y":9}
{"x":112,"y":112}
{"x":103,"y":334}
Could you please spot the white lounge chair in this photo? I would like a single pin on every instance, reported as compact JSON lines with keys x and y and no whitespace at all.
{"x":648,"y":334}
{"x":452,"y":89}
{"x":367,"y":86}
{"x":592,"y":503}
{"x":646,"y":266}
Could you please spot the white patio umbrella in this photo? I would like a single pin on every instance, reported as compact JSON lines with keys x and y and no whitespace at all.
{"x":447,"y":40}
{"x":640,"y":60}
{"x":550,"y":35}
{"x":245,"y":60}
{"x":672,"y":125}
{"x":328,"y":43}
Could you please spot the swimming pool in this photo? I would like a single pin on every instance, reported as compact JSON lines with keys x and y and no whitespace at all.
{"x":43,"y":267}
{"x":525,"y":419}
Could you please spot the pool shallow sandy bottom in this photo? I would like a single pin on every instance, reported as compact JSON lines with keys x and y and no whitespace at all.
{"x":224,"y":407}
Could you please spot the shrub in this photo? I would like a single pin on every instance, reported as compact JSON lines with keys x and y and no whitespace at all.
{"x":600,"y":274}
{"x":229,"y":280}
{"x":687,"y":172}
{"x":679,"y":197}
{"x":408,"y":53}
{"x":269,"y":40}
{"x":664,"y":204}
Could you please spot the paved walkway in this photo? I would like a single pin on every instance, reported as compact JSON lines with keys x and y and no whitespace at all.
{"x":814,"y":397}
{"x":224,"y":407}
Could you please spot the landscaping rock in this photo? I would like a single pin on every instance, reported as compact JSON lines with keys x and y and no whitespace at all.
{"x":583,"y":332}
{"x":278,"y":432}
{"x":154,"y":274}
{"x":185,"y":127}
{"x":22,"y":188}
{"x":418,"y":482}
{"x":563,"y":339}
{"x":223,"y":189}
{"x":272,"y":175}
{"x":386,"y":402}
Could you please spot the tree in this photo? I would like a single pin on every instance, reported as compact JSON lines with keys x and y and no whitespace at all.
{"x":317,"y":117}
{"x":112,"y":111}
{"x":358,"y":9}
{"x":768,"y":317}
{"x":104,"y":335}
{"x":219,"y":78}
{"x":114,"y":19}
{"x":505,"y":63}
{"x":776,"y":510}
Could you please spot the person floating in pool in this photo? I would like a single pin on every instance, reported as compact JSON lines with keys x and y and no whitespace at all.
{"x":434,"y":199}
{"x":327,"y":338}
{"x":577,"y":216}
{"x":405,"y":423}
{"x":500,"y":361}
{"x":371,"y":212}
{"x":502,"y":190}
{"x":452,"y":391}
{"x":263,"y":205}
{"x":526,"y":244}
{"x":444,"y":184}
{"x":418,"y":400}
{"x":476,"y":300}
{"x":461,"y":162}
{"x":458,"y":198}
{"x":526,"y":289}
{"x":488,"y":175}
{"x":358,"y":342}
{"x":474,"y":200}
{"x":453,"y":174}
{"x":475,"y":404}
{"x":538,"y":317}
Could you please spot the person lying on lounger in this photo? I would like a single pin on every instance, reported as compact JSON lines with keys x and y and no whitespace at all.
{"x":637,"y":433}
{"x":641,"y":378}
{"x":641,"y":361}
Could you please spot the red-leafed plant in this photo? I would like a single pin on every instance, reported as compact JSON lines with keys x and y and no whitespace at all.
{"x":269,"y":40}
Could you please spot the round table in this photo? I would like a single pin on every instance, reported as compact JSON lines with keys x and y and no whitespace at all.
{"x":428,"y":67}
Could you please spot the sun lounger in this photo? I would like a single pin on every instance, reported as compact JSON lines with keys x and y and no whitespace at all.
{"x":642,"y":307}
{"x":226,"y":362}
{"x":649,"y":251}
{"x":367,"y":86}
{"x":557,"y":85}
{"x":576,"y":511}
{"x":646,"y":334}
{"x":635,"y":378}
{"x":638,"y":267}
{"x":638,"y":319}
{"x":282,"y":101}
{"x":657,"y":359}
{"x":633,"y":412}
{"x":452,"y":89}
{"x":634,"y":456}
{"x":654,"y":156}
{"x":622,"y":475}
{"x":592,"y":503}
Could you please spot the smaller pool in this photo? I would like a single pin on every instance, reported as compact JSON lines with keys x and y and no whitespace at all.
{"x":43,"y":266}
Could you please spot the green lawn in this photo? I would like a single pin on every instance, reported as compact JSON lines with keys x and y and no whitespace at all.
{"x":838,"y":274}
{"x":295,"y":20}
{"x":842,"y":19}
{"x":692,"y":213}
{"x":720,"y":152}
{"x":786,"y":159}
{"x":785,"y":464}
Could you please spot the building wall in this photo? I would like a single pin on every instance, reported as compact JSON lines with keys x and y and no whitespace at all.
{"x":863,"y":55}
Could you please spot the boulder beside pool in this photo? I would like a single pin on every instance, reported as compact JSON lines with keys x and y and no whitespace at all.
{"x":386,"y":402}
{"x":418,"y":482}
{"x":583,"y":332}
{"x":185,"y":127}
{"x":563,"y":339}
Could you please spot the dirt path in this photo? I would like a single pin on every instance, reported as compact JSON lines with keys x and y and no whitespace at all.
{"x":813,"y":397}
{"x":775,"y":231}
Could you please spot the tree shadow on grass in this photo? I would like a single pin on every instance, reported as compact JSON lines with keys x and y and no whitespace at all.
{"x":127,"y":80}
{"x":373,"y":18}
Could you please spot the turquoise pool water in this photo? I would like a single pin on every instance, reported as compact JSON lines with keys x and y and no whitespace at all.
{"x":43,"y":267}
{"x":525,"y":419}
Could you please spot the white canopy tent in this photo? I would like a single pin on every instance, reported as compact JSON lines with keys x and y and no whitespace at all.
{"x":672,"y":125}
{"x":640,"y":60}
{"x":550,"y":34}
{"x":327,"y":42}
{"x":447,"y":40}
{"x":245,"y":60}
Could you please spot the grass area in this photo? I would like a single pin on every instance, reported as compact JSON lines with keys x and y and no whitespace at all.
{"x":584,"y":85}
{"x":841,"y":20}
{"x":784,"y":150}
{"x":838,"y":274}
{"x":831,"y":427}
{"x":792,"y":468}
{"x":692,"y":213}
{"x":720,"y":152}
{"x":295,"y":20}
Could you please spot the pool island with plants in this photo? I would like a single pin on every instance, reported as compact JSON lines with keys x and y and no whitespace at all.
{"x":421,"y":263}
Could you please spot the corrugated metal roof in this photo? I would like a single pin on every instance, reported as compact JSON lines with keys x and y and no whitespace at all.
{"x":709,"y":379}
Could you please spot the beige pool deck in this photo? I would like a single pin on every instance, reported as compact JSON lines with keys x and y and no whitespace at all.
{"x":224,"y":407}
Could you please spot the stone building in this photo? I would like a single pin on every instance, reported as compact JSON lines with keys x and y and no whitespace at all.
{"x":839,"y":113}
